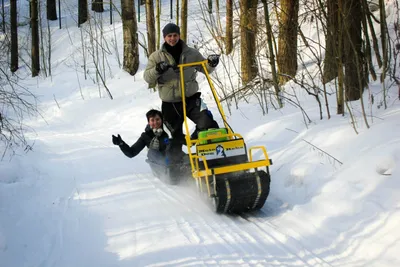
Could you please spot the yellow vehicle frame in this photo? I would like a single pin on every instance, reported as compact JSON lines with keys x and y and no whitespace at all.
{"x":198,"y":173}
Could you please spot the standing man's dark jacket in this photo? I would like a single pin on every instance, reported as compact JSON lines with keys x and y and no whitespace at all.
{"x":168,"y":83}
{"x":146,"y":140}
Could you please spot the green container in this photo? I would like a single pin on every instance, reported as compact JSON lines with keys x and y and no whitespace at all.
{"x":213,"y":133}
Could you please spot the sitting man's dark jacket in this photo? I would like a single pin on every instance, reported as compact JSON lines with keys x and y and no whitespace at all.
{"x":154,"y":141}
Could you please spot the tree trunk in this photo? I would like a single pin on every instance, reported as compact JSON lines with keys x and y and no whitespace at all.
{"x":151,"y":31}
{"x":384,"y":43}
{"x":352,"y":46}
{"x":287,"y":40}
{"x":131,"y":49}
{"x":14,"y":36}
{"x":369,"y":65}
{"x":248,"y":30}
{"x":35,"y":39}
{"x":82,"y":11}
{"x":51,"y":10}
{"x":271,"y":53}
{"x":177,"y":12}
{"x":3,"y":16}
{"x":97,"y":6}
{"x":340,"y":87}
{"x":184,"y":20}
{"x":331,"y":40}
{"x":158,"y":41}
{"x":229,"y":27}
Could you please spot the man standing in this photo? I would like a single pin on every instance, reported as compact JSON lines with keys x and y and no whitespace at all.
{"x":159,"y":73}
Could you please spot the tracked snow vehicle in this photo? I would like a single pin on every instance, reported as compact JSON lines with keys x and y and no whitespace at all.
{"x":222,"y":166}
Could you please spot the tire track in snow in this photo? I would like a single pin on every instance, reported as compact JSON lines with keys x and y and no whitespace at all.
{"x":185,"y":199}
{"x":231,"y":241}
{"x":283,"y":239}
{"x":247,"y":237}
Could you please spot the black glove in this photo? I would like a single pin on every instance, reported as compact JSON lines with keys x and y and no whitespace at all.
{"x":213,"y":60}
{"x":161,"y":67}
{"x":117,"y":140}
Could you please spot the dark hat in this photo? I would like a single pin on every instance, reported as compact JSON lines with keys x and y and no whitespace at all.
{"x":152,"y":113}
{"x":171,"y":28}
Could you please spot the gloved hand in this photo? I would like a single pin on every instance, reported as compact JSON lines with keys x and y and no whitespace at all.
{"x":213,"y":60}
{"x":117,"y":140}
{"x":161,"y":67}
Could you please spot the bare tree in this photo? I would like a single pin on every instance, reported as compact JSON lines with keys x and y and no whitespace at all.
{"x":271,"y":53}
{"x":151,"y":31}
{"x":287,"y":40}
{"x":35,"y":38}
{"x":158,"y":3}
{"x":229,"y":27}
{"x":131,"y":49}
{"x":385,"y":52}
{"x":51,"y":10}
{"x":177,"y":12}
{"x":248,"y":30}
{"x":352,"y":44}
{"x":82,"y":11}
{"x":184,"y":20}
{"x":97,"y":6}
{"x":14,"y":36}
{"x":331,"y":40}
{"x":3,"y":16}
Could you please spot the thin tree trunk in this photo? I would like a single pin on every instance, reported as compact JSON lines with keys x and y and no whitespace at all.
{"x":331,"y":40}
{"x":340,"y":93}
{"x":248,"y":30}
{"x":287,"y":41}
{"x":151,"y":31}
{"x":384,"y":44}
{"x":82,"y":11}
{"x":41,"y":42}
{"x":177,"y":12}
{"x":131,"y":49}
{"x":97,"y":6}
{"x":271,"y":53}
{"x":49,"y":47}
{"x":14,"y":36}
{"x":229,"y":27}
{"x":158,"y":41}
{"x":352,"y":45}
{"x":184,"y":20}
{"x":374,"y":38}
{"x":3,"y":16}
{"x":51,"y":10}
{"x":35,"y":58}
{"x":367,"y":51}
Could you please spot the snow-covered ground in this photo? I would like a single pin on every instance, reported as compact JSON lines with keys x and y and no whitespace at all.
{"x":76,"y":200}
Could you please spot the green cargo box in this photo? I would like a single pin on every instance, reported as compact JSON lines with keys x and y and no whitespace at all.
{"x":213,"y":133}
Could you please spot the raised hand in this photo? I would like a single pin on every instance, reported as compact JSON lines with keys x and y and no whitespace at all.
{"x":213,"y":60}
{"x":117,"y":140}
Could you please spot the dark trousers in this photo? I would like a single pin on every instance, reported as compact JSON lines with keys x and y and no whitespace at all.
{"x":156,"y":156}
{"x":173,"y":116}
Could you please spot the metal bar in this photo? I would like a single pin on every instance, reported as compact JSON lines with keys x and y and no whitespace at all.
{"x":258,"y":147}
{"x":233,"y":168}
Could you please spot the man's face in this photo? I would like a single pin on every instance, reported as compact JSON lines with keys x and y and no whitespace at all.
{"x":172,"y":38}
{"x":155,"y":122}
